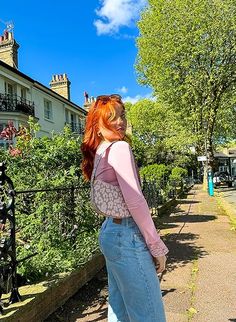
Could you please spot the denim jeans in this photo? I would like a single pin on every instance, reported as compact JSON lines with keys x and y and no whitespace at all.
{"x":134,"y":289}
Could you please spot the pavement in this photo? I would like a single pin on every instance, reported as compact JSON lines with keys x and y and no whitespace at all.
{"x":200,"y":282}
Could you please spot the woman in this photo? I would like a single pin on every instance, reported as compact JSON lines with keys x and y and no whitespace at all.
{"x":132,"y":248}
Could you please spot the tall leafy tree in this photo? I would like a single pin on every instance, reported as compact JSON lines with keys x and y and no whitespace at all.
{"x":158,"y":134}
{"x":187,"y":54}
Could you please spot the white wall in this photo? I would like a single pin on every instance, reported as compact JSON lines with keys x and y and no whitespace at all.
{"x":37,"y":95}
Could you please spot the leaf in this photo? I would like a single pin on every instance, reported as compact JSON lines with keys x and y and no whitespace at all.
{"x":192,"y":310}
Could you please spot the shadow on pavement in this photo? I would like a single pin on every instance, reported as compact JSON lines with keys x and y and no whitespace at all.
{"x":88,"y":304}
{"x":182,"y":250}
{"x":164,"y":292}
{"x":193,"y":218}
{"x":101,"y":314}
{"x":187,"y":201}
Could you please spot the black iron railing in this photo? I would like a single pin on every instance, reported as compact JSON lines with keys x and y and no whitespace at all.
{"x":8,"y":262}
{"x":68,"y":217}
{"x":158,"y":192}
{"x":14,"y":103}
{"x":68,"y":220}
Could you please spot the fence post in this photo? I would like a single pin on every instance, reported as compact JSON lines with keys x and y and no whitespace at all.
{"x":8,"y":245}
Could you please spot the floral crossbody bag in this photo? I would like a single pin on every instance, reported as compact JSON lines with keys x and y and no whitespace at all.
{"x":107,"y":199}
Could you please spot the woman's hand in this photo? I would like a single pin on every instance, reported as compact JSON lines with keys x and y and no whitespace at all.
{"x":160,"y":263}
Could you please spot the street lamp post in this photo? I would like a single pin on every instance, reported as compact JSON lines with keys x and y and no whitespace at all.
{"x":208,"y":170}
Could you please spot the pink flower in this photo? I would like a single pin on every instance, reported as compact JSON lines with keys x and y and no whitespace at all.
{"x":14,"y":152}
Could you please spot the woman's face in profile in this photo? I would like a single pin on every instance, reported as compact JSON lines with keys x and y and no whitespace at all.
{"x":117,"y":123}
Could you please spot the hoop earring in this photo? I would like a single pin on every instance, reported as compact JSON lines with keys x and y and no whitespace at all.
{"x":99,"y":134}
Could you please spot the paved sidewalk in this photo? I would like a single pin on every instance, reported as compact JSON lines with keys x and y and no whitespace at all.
{"x":200,"y":284}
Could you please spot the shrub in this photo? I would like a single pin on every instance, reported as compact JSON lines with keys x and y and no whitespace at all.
{"x":177,"y":175}
{"x":155,"y":172}
{"x":58,"y":225}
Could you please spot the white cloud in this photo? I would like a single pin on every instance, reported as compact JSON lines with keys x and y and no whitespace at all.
{"x":117,"y":13}
{"x":137,"y":98}
{"x":123,"y":90}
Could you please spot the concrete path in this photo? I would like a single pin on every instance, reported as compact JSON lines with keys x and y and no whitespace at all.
{"x":200,"y":284}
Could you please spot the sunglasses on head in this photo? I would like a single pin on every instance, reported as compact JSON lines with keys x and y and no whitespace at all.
{"x":108,"y":97}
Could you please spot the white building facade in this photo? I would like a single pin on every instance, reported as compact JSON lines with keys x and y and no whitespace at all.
{"x":22,"y":96}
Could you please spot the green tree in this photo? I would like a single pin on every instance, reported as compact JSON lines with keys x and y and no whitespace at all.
{"x":187,"y":54}
{"x":158,"y":135}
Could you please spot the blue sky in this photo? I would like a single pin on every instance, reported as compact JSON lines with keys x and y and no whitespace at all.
{"x":92,"y":41}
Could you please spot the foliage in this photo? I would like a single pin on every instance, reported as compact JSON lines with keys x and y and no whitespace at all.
{"x":158,"y":134}
{"x":155,"y":172}
{"x":57,"y":224}
{"x":230,"y":144}
{"x":177,"y":174}
{"x":187,"y":54}
{"x":225,"y":131}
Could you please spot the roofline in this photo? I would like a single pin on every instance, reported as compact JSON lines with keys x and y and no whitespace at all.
{"x":42,"y":87}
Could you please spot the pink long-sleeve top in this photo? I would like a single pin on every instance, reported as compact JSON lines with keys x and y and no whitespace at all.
{"x":117,"y":167}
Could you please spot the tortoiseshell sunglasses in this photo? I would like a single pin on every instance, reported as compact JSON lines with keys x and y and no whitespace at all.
{"x":107,"y":97}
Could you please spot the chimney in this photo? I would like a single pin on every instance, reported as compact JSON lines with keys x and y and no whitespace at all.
{"x":88,"y":101}
{"x":9,"y":49}
{"x":61,"y":85}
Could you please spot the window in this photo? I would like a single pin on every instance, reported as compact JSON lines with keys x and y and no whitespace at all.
{"x":10,"y":94}
{"x":48,"y":110}
{"x":72,"y":122}
{"x":67,"y":116}
{"x":9,"y":88}
{"x":23,"y":93}
{"x":80,"y":126}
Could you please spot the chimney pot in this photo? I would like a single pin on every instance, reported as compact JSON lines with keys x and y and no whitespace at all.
{"x":9,"y":49}
{"x":5,"y":35}
{"x":61,"y":85}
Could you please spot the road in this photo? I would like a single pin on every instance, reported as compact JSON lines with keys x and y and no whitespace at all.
{"x":228,"y":200}
{"x":229,"y":195}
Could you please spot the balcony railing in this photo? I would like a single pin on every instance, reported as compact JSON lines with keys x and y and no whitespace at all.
{"x":14,"y":103}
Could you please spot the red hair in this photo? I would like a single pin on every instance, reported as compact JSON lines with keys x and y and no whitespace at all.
{"x":100,"y":114}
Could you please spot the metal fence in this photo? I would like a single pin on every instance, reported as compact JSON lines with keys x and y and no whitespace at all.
{"x":158,"y":193}
{"x":14,"y":103}
{"x":70,"y":215}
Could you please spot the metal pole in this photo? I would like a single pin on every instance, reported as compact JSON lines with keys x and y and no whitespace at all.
{"x":210,"y":184}
{"x":7,"y":214}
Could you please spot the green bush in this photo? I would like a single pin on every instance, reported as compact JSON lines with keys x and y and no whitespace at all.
{"x":177,"y":175}
{"x":58,"y":225}
{"x":155,"y":172}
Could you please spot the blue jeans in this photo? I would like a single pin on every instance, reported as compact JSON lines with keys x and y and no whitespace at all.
{"x":134,"y":289}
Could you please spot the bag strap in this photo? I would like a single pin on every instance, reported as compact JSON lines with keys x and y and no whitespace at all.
{"x":97,"y":163}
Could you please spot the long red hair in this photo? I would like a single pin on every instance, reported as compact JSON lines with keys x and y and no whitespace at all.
{"x":100,"y":113}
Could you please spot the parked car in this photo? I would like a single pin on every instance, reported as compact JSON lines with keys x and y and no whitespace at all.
{"x":222,"y":179}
